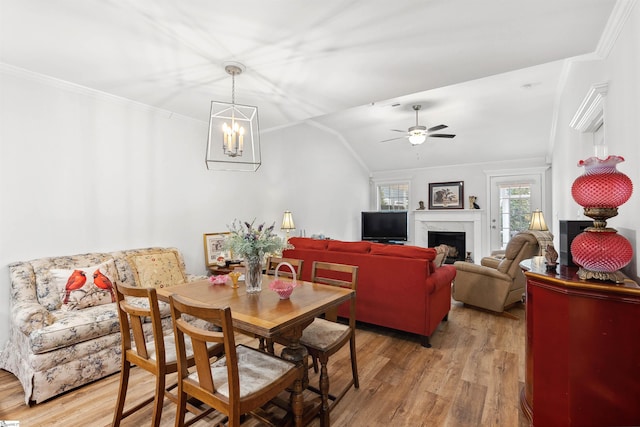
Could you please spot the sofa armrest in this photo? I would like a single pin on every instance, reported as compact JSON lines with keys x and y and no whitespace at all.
{"x":490,"y":262}
{"x":464,"y":268}
{"x":30,"y":316}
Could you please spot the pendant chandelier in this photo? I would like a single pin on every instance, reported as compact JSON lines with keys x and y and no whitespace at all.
{"x":233,"y":142}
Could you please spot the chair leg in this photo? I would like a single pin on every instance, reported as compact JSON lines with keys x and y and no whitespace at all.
{"x":324,"y":393}
{"x":354,"y":363}
{"x":158,"y":401}
{"x":122,"y":393}
{"x":181,"y":408}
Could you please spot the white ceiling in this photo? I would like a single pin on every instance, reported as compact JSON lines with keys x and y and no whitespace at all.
{"x":488,"y":69}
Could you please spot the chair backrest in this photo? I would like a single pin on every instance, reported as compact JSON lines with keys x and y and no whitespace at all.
{"x":341,"y":275}
{"x":272,"y":263}
{"x":199,"y":340}
{"x":133,"y":313}
{"x":523,"y":245}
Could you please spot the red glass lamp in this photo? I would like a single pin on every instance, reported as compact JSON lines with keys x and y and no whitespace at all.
{"x":600,"y":251}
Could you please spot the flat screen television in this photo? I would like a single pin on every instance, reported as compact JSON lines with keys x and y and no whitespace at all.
{"x":384,"y":226}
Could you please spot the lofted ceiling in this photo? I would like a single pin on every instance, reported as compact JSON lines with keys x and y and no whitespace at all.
{"x":488,"y":69}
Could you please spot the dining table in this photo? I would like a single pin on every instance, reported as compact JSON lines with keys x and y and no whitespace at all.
{"x":265,"y":314}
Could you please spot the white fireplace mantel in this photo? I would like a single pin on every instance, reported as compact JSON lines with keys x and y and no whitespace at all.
{"x":469,"y":220}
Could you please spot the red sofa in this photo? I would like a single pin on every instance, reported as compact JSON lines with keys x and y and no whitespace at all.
{"x":399,"y":286}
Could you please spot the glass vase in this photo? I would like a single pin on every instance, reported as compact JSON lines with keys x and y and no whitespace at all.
{"x":253,"y":274}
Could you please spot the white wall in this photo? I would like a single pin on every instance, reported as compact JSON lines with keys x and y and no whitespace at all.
{"x":474,"y":177}
{"x":84,"y":171}
{"x":620,"y":67}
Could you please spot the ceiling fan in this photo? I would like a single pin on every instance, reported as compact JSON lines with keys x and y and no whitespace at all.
{"x":418,"y":134}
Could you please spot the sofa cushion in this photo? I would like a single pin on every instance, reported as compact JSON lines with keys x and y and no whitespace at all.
{"x":87,"y":291}
{"x":157,"y":269}
{"x":75,"y":326}
{"x":46,"y":289}
{"x":404,"y":251}
{"x":307,"y":243}
{"x":355,"y":247}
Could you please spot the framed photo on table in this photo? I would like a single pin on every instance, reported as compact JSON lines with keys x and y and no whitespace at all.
{"x":213,"y":247}
{"x":446,"y":195}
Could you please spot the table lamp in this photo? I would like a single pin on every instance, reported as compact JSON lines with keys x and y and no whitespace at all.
{"x":537,"y":221}
{"x":287,"y":224}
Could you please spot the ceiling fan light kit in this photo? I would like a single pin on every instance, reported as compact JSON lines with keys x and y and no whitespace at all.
{"x":418,"y":134}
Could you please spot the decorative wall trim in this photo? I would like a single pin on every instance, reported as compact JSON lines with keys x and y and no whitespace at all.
{"x":590,"y":114}
{"x":614,"y":26}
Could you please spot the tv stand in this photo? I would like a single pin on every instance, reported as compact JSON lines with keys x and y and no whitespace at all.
{"x":389,"y":242}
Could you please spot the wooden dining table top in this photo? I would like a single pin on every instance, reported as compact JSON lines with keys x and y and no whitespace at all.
{"x":264,"y":313}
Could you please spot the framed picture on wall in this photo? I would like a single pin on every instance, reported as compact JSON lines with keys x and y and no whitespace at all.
{"x":214,"y":247}
{"x":446,"y":195}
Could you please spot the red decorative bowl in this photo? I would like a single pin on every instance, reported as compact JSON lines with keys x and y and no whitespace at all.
{"x":219,"y":280}
{"x":283,"y":288}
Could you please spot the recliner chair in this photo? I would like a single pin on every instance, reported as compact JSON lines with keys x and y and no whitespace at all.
{"x":496,"y":284}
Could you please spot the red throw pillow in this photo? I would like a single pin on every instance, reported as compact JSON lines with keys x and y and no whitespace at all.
{"x":355,"y":247}
{"x":404,"y":251}
{"x":307,"y":243}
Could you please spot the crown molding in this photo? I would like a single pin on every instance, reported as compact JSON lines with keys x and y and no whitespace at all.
{"x":591,"y":112}
{"x":22,"y":73}
{"x":615,"y":24}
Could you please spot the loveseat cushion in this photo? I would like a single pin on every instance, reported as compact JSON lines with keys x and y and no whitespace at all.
{"x":308,"y":243}
{"x":71,"y":327}
{"x":402,"y":251}
{"x":158,"y":269}
{"x":88,"y":294}
{"x":46,"y":288}
{"x":353,"y":247}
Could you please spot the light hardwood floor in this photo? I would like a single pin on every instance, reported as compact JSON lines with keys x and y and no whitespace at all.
{"x":472,"y":376}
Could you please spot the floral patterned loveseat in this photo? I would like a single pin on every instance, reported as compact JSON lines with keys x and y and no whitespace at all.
{"x":63,"y":335}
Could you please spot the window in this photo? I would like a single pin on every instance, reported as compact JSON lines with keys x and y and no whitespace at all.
{"x":393,"y":197}
{"x":515,"y":210}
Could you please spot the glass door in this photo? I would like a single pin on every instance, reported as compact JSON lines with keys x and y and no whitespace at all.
{"x":513,"y":198}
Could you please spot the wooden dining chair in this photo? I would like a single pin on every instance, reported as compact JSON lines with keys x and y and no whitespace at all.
{"x":325,"y":336}
{"x":155,"y":354}
{"x":239,"y":383}
{"x":272,"y":263}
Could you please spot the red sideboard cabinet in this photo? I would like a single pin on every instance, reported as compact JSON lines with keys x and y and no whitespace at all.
{"x":582,"y":349}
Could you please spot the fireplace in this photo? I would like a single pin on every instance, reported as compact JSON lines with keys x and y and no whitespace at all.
{"x":468,"y":221}
{"x":456,"y":240}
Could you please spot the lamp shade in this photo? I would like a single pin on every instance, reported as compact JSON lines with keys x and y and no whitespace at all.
{"x":537,"y":221}
{"x":287,"y":221}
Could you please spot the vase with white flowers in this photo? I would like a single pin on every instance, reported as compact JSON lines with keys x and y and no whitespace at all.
{"x":252,"y":243}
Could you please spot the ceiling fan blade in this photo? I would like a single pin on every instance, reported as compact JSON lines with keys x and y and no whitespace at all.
{"x":392,"y":139}
{"x":398,"y":130}
{"x":441,"y":135}
{"x":435,"y":128}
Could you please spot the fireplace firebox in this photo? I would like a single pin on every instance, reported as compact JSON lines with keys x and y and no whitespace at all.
{"x":456,"y":240}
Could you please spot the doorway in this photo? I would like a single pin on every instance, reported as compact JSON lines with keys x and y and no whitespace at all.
{"x":513,"y":198}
